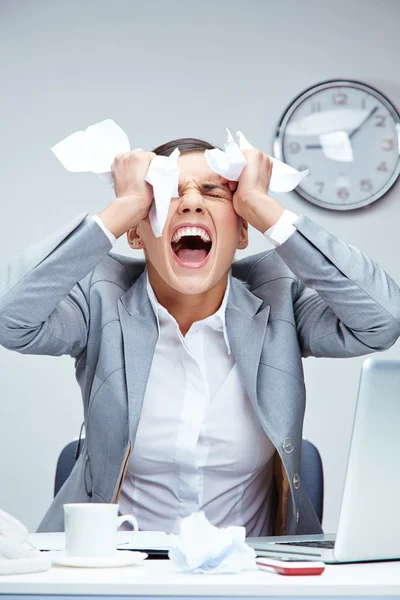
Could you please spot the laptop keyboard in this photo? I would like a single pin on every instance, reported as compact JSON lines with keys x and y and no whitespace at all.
{"x":330,"y":544}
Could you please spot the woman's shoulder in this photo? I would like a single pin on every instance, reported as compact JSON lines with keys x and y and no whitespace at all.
{"x":261,"y":268}
{"x":119,"y":269}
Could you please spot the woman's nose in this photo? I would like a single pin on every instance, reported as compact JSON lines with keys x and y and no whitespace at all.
{"x":191,"y":202}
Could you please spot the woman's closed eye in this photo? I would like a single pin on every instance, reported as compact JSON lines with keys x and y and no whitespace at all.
{"x":221,"y":195}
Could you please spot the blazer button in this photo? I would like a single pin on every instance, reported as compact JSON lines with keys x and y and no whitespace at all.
{"x":296,"y":481}
{"x":88,"y":478}
{"x":288,"y":445}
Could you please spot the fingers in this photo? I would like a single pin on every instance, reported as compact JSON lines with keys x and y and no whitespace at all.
{"x":232,"y":185}
{"x":255,"y":159}
{"x":138,"y":154}
{"x":129,"y":170}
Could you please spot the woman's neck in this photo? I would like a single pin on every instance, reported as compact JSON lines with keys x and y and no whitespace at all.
{"x":187,"y":308}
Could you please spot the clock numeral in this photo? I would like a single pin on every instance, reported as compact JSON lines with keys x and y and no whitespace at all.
{"x":364,"y":103}
{"x":380,"y":121}
{"x":388,"y":144}
{"x":343,"y":193}
{"x":340,"y":98}
{"x":303,"y":168}
{"x":366,"y":185}
{"x":321,"y":185}
{"x":315,"y":107}
{"x":294,"y":147}
{"x":382,"y":167}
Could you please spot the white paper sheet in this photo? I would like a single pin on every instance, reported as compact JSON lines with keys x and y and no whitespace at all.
{"x":230,"y":164}
{"x":94,"y":149}
{"x":203,"y":548}
{"x":163,"y":175}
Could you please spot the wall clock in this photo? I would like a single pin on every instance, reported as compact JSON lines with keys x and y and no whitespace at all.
{"x":348,"y":134}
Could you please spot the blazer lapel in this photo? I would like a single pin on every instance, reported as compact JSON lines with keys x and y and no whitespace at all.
{"x":246,"y":324}
{"x":139,"y":331}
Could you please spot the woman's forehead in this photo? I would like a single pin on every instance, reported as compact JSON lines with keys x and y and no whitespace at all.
{"x":194,"y":166}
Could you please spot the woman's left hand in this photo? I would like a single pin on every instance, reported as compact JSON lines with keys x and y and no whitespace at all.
{"x":251,"y":200}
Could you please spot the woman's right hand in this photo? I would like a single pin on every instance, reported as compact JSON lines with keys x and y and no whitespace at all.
{"x":133,"y":194}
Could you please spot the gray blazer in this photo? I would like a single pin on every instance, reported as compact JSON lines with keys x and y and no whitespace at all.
{"x":312,"y":296}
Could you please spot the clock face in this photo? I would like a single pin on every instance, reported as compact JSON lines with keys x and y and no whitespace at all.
{"x":347,"y":134}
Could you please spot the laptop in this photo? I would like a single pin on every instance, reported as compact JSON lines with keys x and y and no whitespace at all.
{"x":369,"y":523}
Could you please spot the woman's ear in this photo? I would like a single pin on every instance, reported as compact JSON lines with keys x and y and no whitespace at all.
{"x":244,"y":235}
{"x":134,"y":239}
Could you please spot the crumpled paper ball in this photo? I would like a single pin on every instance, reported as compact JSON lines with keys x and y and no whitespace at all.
{"x":203,"y":548}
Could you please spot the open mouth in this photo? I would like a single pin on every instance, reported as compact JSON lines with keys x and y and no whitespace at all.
{"x":191,"y":245}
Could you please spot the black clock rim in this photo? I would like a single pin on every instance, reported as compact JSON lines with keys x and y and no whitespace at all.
{"x":291,"y":107}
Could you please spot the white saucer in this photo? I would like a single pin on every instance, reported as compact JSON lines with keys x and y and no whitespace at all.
{"x":122,"y":558}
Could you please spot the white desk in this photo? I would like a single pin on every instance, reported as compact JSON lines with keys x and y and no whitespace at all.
{"x":157,"y":578}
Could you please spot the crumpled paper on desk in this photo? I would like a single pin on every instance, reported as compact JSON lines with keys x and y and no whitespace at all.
{"x":202,"y":548}
{"x":95,"y":148}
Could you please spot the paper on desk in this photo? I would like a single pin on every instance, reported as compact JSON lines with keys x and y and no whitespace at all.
{"x":230,"y":164}
{"x":203,"y":548}
{"x":144,"y":540}
{"x":94,"y":150}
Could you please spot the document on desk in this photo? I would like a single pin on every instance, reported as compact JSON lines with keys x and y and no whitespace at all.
{"x":143,"y":540}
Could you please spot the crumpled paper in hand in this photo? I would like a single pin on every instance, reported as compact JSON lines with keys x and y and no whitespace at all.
{"x":231,"y":162}
{"x":163,"y":175}
{"x":95,"y":148}
{"x":203,"y":548}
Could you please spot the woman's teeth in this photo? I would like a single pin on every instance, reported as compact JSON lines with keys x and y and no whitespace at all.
{"x":190,"y":231}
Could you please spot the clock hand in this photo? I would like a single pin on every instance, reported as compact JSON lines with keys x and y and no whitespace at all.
{"x":369,"y":115}
{"x":312,"y":146}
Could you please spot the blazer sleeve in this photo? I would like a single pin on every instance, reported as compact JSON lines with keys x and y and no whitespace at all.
{"x":43,"y":305}
{"x":346,"y":305}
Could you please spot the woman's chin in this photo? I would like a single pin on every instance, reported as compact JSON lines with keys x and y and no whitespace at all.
{"x":191,"y":283}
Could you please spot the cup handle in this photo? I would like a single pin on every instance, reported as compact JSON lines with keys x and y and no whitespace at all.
{"x":128,"y":519}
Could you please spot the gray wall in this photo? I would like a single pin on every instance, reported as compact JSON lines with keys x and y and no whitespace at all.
{"x":165,"y":69}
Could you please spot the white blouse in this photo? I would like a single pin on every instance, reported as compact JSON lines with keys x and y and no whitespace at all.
{"x":199,"y":444}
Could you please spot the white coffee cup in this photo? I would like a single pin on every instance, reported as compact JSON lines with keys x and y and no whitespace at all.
{"x":91,"y":529}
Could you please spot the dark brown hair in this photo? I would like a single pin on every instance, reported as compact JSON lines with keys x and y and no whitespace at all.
{"x":185,"y":145}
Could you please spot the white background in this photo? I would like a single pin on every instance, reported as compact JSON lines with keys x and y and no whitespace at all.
{"x":163,"y":70}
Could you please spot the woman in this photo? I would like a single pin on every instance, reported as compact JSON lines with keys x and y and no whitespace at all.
{"x":190,"y":367}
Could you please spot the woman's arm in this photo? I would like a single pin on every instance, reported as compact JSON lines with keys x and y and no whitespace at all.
{"x":43,"y":303}
{"x":346,"y":304}
{"x":43,"y":308}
